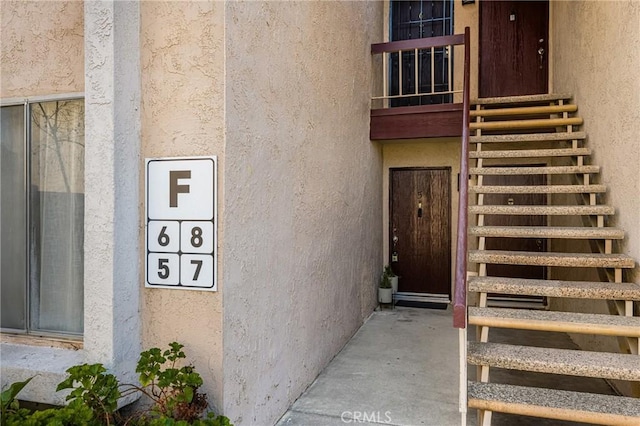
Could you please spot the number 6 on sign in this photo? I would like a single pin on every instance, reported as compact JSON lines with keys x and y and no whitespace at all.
{"x":163,"y":236}
{"x":196,"y":270}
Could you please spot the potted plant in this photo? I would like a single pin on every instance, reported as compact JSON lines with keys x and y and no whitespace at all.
{"x":385,"y":291}
{"x":392,"y":277}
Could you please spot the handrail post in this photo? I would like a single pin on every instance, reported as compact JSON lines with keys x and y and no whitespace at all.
{"x":460,"y":291}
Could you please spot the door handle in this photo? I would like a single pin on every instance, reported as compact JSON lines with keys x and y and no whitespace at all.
{"x":541,"y":53}
{"x":541,"y":57}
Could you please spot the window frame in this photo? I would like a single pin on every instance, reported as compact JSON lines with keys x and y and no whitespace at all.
{"x":26,"y":103}
{"x":448,"y":28}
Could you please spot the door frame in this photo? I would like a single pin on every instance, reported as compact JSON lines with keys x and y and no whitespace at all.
{"x":421,"y":296}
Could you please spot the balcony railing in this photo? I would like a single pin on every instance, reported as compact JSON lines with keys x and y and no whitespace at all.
{"x":419,"y":97}
{"x":424,"y":121}
{"x":429,"y":61}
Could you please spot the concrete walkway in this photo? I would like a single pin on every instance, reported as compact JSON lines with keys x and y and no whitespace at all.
{"x":401,"y":368}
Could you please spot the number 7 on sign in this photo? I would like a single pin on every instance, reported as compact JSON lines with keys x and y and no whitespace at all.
{"x":198,"y":264}
{"x":196,"y":270}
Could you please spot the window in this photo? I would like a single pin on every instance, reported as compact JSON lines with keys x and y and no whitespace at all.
{"x":420,"y":19}
{"x":42,"y":216}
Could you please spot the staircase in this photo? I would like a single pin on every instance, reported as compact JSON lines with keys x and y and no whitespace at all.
{"x":532,"y":147}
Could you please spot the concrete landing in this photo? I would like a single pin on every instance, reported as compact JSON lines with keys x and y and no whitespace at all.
{"x":401,"y":368}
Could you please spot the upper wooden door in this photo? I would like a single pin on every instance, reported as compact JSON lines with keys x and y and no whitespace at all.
{"x":513,"y":48}
{"x":420,"y":229}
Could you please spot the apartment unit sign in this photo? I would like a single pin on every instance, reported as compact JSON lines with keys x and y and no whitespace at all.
{"x":181,"y":217}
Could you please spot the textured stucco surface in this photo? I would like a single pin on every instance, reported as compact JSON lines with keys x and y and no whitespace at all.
{"x":444,"y":152}
{"x":48,"y":58}
{"x":596,"y":49}
{"x":182,"y":59}
{"x":302,"y":224}
{"x":41,"y":47}
{"x":466,"y":16}
{"x":595,"y":58}
{"x":112,"y":120}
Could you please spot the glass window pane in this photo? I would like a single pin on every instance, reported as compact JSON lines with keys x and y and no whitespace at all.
{"x":13,"y":224}
{"x":56,"y":220}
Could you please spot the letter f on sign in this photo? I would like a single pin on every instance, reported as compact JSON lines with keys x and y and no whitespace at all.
{"x":174,"y":188}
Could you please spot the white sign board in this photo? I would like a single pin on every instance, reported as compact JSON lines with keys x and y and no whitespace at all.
{"x":181,"y":223}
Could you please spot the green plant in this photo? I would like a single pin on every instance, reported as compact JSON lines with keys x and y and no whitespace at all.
{"x":211,"y":420}
{"x":385,"y":281}
{"x":174,"y":391}
{"x":93,"y":387}
{"x":75,"y":413}
{"x":8,"y":396}
{"x":10,"y":406}
{"x":389,"y":271}
{"x":94,"y":396}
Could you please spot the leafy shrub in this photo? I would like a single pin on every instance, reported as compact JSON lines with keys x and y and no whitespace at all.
{"x":94,"y":396}
{"x":93,"y":388}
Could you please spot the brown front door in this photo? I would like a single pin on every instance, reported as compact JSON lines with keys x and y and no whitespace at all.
{"x":420,"y":229}
{"x":513,"y":48}
{"x":515,"y":244}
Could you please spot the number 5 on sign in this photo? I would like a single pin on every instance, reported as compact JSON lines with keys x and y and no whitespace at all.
{"x":163,"y":269}
{"x":196,"y":270}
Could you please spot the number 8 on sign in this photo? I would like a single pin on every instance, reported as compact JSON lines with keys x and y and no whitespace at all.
{"x":196,"y":237}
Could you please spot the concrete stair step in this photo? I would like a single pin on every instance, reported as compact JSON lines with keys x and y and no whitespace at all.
{"x":542,"y":123}
{"x":556,"y":170}
{"x":531,"y":153}
{"x":566,"y":322}
{"x":604,"y":365}
{"x":543,"y":210}
{"x":584,"y":233}
{"x":555,"y":404}
{"x":538,"y":189}
{"x":556,"y":288}
{"x":573,"y":260}
{"x":526,"y":99}
{"x":528,"y":137}
{"x":524,"y":110}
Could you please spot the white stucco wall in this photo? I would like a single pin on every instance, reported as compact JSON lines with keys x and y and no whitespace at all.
{"x":596,"y":58}
{"x":597,"y":50}
{"x":182,"y":58}
{"x":112,"y":154}
{"x":302,"y":224}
